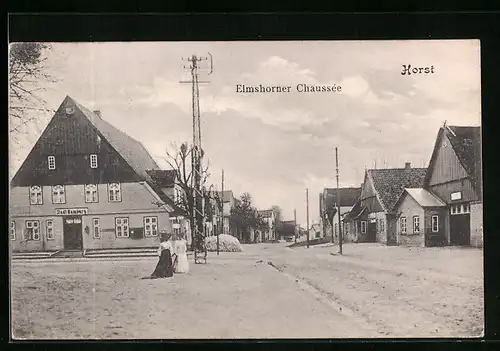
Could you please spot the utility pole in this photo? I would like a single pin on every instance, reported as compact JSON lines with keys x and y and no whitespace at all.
{"x":307,"y":216}
{"x":200,"y":250}
{"x":338,"y":199}
{"x":295,"y":224}
{"x":221,"y":212}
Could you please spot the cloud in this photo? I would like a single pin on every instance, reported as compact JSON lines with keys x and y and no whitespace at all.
{"x":276,"y":145}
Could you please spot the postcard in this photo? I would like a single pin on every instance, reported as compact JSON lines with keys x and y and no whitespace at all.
{"x":245,"y":190}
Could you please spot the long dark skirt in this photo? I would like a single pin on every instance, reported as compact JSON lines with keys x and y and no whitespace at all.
{"x":164,"y":268}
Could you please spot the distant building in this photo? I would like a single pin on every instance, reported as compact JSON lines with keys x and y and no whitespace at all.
{"x":268,"y":233}
{"x":328,"y":207}
{"x":229,"y":202}
{"x":288,"y":230}
{"x":87,"y":185}
{"x":315,"y":231}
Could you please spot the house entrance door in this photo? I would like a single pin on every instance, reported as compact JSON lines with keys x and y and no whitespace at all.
{"x":371,"y":236}
{"x":72,"y":228}
{"x":460,"y":229}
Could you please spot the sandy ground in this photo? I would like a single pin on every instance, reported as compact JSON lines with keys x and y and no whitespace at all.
{"x":268,"y":291}
{"x":230,"y":297}
{"x":403,"y":292}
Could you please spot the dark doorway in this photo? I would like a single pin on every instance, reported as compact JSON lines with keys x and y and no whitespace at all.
{"x":460,"y":229}
{"x":72,"y":227}
{"x":371,"y":235}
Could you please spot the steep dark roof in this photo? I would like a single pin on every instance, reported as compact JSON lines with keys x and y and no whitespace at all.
{"x":132,"y":151}
{"x":348,"y":197}
{"x":390,"y":183}
{"x":466,"y":142}
{"x":163,"y":178}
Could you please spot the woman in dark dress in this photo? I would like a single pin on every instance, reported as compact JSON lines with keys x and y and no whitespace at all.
{"x":164,"y":268}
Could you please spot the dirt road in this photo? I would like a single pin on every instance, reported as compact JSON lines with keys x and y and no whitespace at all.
{"x":401,"y":292}
{"x":269,"y":291}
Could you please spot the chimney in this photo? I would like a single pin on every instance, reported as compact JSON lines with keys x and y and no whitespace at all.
{"x":97,"y":113}
{"x":407,"y":165}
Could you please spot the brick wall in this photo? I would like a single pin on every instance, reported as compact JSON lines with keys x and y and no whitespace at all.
{"x":435,"y":238}
{"x":476,"y":224}
{"x":411,"y":240}
{"x":409,"y":208}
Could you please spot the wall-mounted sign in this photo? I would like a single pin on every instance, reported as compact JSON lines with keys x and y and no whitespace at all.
{"x":71,"y":211}
{"x":456,"y":196}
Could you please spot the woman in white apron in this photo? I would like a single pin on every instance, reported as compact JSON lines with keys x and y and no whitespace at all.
{"x":180,"y":248}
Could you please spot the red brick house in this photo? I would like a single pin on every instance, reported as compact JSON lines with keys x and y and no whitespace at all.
{"x":87,"y":185}
{"x":372,"y":217}
{"x":420,"y":218}
{"x":455,"y":176}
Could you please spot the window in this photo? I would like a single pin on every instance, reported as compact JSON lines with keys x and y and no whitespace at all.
{"x":176,"y":225}
{"x":467,"y":208}
{"x":32,"y":230}
{"x":151,"y":226}
{"x":114,"y":192}
{"x":382,"y":225}
{"x":93,"y":161}
{"x":12,"y":230}
{"x":51,"y":160}
{"x":58,"y":194}
{"x":435,"y":224}
{"x":403,"y":224}
{"x":363,"y":227}
{"x":460,"y":208}
{"x":91,"y":194}
{"x":121,"y":227}
{"x":416,"y":224}
{"x":96,"y":230}
{"x":36,"y":197}
{"x":49,"y":229}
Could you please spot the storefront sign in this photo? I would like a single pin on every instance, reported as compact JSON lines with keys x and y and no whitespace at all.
{"x":456,"y":196}
{"x":71,"y":211}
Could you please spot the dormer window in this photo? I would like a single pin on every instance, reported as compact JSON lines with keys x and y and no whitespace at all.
{"x":93,"y":161}
{"x":52,"y":162}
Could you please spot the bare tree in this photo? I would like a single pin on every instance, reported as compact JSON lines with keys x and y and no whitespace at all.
{"x":180,"y":161}
{"x":27,"y":78}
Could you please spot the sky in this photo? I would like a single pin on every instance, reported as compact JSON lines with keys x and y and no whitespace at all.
{"x":274,"y":145}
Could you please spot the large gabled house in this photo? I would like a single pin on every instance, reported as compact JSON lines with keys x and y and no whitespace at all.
{"x":87,"y":185}
{"x":455,"y":176}
{"x":372,"y":217}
